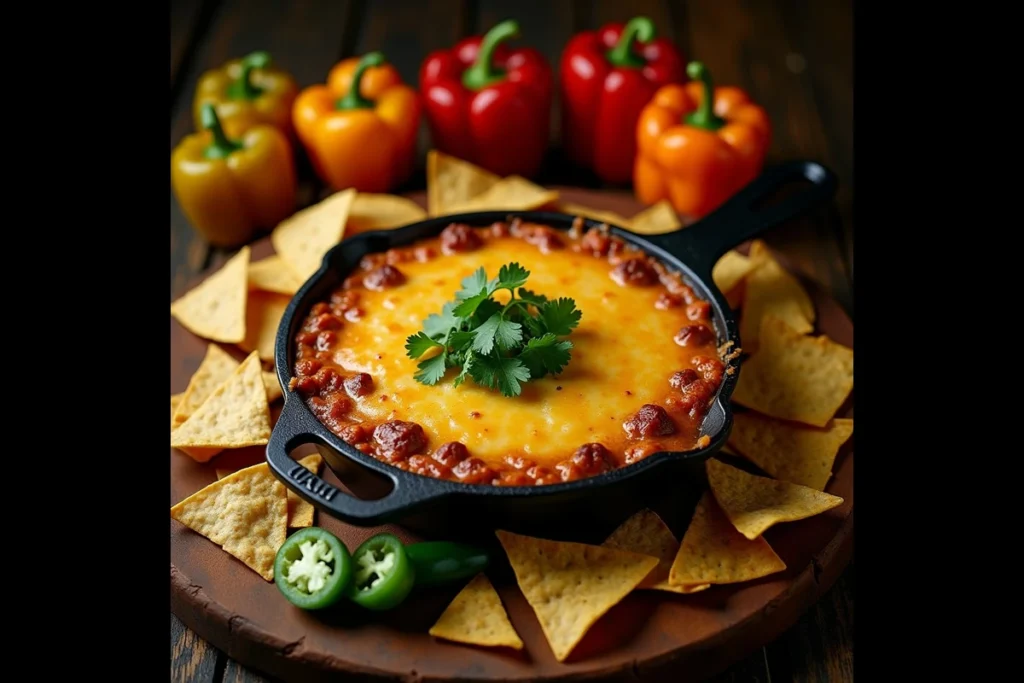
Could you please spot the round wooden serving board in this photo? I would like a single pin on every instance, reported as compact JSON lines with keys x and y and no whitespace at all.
{"x":652,"y":635}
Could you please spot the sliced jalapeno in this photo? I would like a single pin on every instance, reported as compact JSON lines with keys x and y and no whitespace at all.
{"x":443,"y":561}
{"x":313,"y":568}
{"x":383,"y":575}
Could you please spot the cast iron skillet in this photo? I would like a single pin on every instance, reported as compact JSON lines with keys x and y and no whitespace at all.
{"x":387,"y":494}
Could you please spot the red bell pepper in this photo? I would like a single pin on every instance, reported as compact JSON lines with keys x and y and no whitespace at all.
{"x":607,"y":78}
{"x":489,"y":104}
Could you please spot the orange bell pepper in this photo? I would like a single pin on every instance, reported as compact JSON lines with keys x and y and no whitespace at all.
{"x":694,"y":154}
{"x":247,"y":92}
{"x":359,"y":130}
{"x":230,"y":188}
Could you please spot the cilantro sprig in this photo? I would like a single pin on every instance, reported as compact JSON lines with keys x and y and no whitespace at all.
{"x":499,"y":346}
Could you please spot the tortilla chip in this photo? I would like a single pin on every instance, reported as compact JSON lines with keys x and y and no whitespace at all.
{"x":175,"y":400}
{"x":300,"y":513}
{"x":381,"y":212}
{"x":772,"y":291}
{"x":272,"y":274}
{"x":216,"y":366}
{"x":608,"y":217}
{"x":647,"y":534}
{"x":236,"y":414}
{"x":246,"y":514}
{"x":571,"y":585}
{"x":735,"y":296}
{"x":477,"y":617}
{"x":512,"y":193}
{"x":451,"y":181}
{"x":730,"y":271}
{"x":795,"y":377}
{"x":229,"y":462}
{"x":713,"y":551}
{"x":304,"y":238}
{"x":754,"y":504}
{"x":789,"y":451}
{"x":656,"y":219}
{"x":215,"y":309}
{"x":273,"y":386}
{"x":263,"y":317}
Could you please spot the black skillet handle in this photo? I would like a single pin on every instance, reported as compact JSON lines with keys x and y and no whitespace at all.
{"x":297,"y":426}
{"x":703,"y":243}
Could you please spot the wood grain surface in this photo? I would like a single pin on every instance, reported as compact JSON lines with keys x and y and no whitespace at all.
{"x":794,"y":57}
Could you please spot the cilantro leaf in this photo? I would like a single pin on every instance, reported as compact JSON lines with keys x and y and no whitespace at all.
{"x":467,"y":369}
{"x":485,"y":311}
{"x":468,"y":306}
{"x":560,"y":316}
{"x":534,"y":326}
{"x":432,"y":369}
{"x":507,"y":334}
{"x":473,"y":284}
{"x":532,"y":297}
{"x":483,"y":336}
{"x":458,"y":341}
{"x":503,"y":374}
{"x":546,"y":354}
{"x":498,"y":345}
{"x":512,"y":276}
{"x":418,"y":344}
{"x":437,"y":326}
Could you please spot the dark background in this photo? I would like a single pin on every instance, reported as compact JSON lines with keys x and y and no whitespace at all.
{"x":795,"y":58}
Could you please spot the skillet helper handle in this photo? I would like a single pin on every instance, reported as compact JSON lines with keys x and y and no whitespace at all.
{"x":297,"y":426}
{"x":739,"y":219}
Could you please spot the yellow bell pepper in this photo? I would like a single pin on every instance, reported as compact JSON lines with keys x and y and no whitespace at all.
{"x":247,"y":92}
{"x":229,"y":188}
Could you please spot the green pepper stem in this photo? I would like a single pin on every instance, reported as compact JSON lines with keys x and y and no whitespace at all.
{"x":352,"y":99}
{"x":638,"y":28}
{"x":244,"y":88}
{"x":483,"y":72}
{"x":704,"y":116}
{"x":222,"y":145}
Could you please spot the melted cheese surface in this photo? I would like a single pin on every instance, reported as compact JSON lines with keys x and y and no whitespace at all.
{"x":623,"y":356}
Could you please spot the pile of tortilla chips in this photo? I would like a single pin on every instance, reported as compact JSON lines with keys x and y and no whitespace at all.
{"x":792,"y":384}
{"x":224,"y":410}
{"x":457,"y":186}
{"x":570,"y":586}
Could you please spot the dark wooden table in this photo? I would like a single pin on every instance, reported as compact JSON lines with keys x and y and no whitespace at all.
{"x":794,"y":57}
